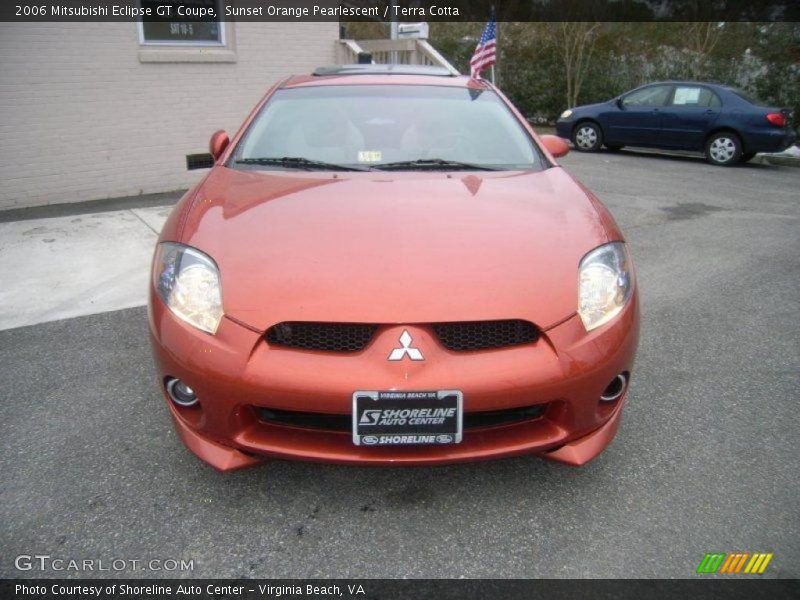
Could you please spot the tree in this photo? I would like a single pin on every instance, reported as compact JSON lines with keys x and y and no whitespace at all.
{"x":576,"y":41}
{"x":701,"y":39}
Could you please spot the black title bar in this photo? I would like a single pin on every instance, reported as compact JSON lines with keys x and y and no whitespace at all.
{"x":401,"y":10}
{"x":418,"y":589}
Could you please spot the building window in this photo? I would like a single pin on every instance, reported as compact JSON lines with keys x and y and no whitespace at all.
{"x":187,"y":39}
{"x":183,"y":32}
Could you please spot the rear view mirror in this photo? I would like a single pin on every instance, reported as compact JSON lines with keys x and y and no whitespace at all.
{"x":554,"y":145}
{"x":219,"y":141}
{"x":619,"y":102}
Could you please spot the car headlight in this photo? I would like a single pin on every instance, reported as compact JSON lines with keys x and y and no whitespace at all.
{"x":566,"y":114}
{"x":188,"y":282}
{"x":605,"y":279}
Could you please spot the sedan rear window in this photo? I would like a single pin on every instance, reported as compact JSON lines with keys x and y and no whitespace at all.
{"x":403,"y":127}
{"x":691,"y":95}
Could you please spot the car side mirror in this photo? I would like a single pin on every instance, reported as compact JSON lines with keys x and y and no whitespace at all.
{"x":620,"y":103}
{"x":555,"y":145}
{"x":219,"y":141}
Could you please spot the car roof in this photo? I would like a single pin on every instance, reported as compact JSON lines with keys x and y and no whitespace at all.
{"x":384,"y":75}
{"x":371,"y":69}
{"x":687,"y":82}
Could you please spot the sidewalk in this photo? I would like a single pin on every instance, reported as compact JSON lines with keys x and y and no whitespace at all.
{"x":788,"y":158}
{"x":57,"y":267}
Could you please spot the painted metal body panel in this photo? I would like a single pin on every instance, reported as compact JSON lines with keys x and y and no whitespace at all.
{"x":403,"y":250}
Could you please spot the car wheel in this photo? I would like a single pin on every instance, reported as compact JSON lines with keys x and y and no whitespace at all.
{"x":723,"y":149}
{"x":587,"y":137}
{"x":748,"y":156}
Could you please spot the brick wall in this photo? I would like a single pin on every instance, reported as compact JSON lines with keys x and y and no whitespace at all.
{"x":83,"y":118}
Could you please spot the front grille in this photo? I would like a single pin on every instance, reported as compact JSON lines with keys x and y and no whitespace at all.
{"x":344,"y":423}
{"x":461,"y":336}
{"x":330,"y":337}
{"x":482,"y":335}
{"x":307,"y":420}
{"x":495,"y":418}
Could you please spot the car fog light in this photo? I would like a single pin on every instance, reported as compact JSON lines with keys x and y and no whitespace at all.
{"x":180,"y":393}
{"x":615,"y":389}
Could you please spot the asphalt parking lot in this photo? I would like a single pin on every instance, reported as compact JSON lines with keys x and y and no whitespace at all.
{"x":706,"y":458}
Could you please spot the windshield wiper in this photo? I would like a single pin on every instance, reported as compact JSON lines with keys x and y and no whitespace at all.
{"x":432,"y":163}
{"x":297,"y":162}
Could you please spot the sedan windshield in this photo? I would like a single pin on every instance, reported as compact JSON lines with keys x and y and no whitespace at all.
{"x":396,"y":127}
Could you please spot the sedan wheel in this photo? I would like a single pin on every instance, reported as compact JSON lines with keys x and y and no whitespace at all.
{"x":723,"y":149}
{"x":587,"y":137}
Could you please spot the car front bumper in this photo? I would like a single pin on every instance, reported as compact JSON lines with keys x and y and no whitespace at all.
{"x":564,"y":128}
{"x":236,"y":372}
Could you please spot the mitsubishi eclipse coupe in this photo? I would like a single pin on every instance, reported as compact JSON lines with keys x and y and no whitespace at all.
{"x":387,"y":266}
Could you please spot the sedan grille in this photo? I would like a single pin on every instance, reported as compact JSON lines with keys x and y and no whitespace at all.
{"x":462,"y":336}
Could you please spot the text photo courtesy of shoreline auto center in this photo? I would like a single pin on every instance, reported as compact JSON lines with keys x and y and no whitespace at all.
{"x":399,"y":299}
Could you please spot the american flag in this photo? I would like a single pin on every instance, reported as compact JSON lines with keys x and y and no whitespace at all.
{"x":485,"y":55}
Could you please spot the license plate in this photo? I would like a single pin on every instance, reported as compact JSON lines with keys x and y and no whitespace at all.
{"x":407,"y":418}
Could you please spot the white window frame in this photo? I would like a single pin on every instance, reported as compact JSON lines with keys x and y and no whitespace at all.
{"x":219,"y":6}
{"x":184,"y":43}
{"x":180,"y":51}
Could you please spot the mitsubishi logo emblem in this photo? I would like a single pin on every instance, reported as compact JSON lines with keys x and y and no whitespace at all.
{"x":406,"y":348}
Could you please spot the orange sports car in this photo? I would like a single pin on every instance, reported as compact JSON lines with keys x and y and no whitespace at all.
{"x":386,"y":266}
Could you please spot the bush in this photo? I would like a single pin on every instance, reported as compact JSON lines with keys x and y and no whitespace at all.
{"x":546,"y":67}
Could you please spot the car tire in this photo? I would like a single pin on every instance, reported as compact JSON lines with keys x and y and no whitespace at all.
{"x":748,"y":156}
{"x":723,"y":149}
{"x":587,"y":137}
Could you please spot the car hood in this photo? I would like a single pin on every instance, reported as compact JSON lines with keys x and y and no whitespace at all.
{"x":396,"y":247}
{"x":592,"y":107}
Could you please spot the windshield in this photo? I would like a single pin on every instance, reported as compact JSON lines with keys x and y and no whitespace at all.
{"x":369,"y":126}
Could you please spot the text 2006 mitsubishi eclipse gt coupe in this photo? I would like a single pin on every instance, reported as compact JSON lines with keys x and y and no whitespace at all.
{"x":386,"y":266}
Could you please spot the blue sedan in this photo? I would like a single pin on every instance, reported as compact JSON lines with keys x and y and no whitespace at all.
{"x":715,"y":119}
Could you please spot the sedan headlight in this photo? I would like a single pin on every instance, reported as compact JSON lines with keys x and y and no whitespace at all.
{"x":605,"y":284}
{"x":566,"y":114}
{"x":188,"y":282}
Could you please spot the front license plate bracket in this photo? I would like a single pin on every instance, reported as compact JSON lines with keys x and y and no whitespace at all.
{"x":394,"y":418}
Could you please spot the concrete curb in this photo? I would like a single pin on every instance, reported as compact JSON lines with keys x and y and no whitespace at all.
{"x":777,"y":159}
{"x":88,"y":207}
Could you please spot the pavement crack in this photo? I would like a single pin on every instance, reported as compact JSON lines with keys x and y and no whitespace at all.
{"x":143,"y":221}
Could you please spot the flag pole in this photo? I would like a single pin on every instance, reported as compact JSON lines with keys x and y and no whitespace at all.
{"x":496,"y":42}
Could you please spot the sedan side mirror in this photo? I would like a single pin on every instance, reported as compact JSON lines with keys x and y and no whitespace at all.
{"x":554,"y":145}
{"x":219,"y":141}
{"x":619,"y":102}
